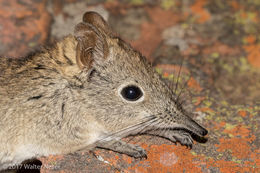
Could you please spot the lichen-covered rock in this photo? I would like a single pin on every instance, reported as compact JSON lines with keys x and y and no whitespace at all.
{"x":24,"y":25}
{"x":218,"y":42}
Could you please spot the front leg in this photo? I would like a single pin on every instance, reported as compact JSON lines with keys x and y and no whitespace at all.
{"x":124,"y":148}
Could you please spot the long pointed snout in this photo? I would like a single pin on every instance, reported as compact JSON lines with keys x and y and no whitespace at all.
{"x":194,"y":127}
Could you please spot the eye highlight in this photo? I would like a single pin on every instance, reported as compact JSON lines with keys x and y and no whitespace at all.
{"x":131,"y":93}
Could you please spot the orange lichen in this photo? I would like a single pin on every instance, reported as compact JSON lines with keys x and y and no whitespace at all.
{"x":253,"y":51}
{"x":204,"y":109}
{"x":165,"y":74}
{"x":127,"y":159}
{"x":235,"y":4}
{"x":27,"y":24}
{"x":225,"y":166}
{"x":50,"y":162}
{"x":148,"y":36}
{"x":250,"y":39}
{"x":199,"y":100}
{"x":166,"y":158}
{"x":163,"y":18}
{"x":239,"y":147}
{"x":238,"y":130}
{"x":198,"y":9}
{"x":249,"y":17}
{"x":233,"y":167}
{"x":242,"y":113}
{"x":221,"y":49}
{"x":30,"y":27}
{"x":221,"y":124}
{"x":22,"y":12}
{"x":192,"y":83}
{"x":160,"y":19}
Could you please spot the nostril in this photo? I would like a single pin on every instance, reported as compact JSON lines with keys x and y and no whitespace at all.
{"x":204,"y":132}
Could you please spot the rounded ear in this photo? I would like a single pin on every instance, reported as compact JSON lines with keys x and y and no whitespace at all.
{"x":97,"y":21}
{"x":92,"y":45}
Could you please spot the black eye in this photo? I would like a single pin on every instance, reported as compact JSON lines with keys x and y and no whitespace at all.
{"x":131,"y":93}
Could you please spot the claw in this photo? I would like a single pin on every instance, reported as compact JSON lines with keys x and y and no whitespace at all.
{"x":183,"y":138}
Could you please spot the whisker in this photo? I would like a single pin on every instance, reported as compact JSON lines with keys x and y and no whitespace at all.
{"x":177,"y":82}
{"x":182,"y":101}
{"x":154,"y":129}
{"x":184,"y":86}
{"x":144,"y":128}
{"x":152,"y":124}
{"x":160,"y":129}
{"x":124,"y":131}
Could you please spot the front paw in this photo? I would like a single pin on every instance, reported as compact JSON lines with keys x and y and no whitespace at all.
{"x":137,"y":152}
{"x":183,"y":137}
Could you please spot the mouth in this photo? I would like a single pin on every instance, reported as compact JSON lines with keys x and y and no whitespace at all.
{"x":194,"y":132}
{"x":185,"y":134}
{"x":198,"y":136}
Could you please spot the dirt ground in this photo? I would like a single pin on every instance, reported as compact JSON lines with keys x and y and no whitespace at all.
{"x":218,"y":43}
